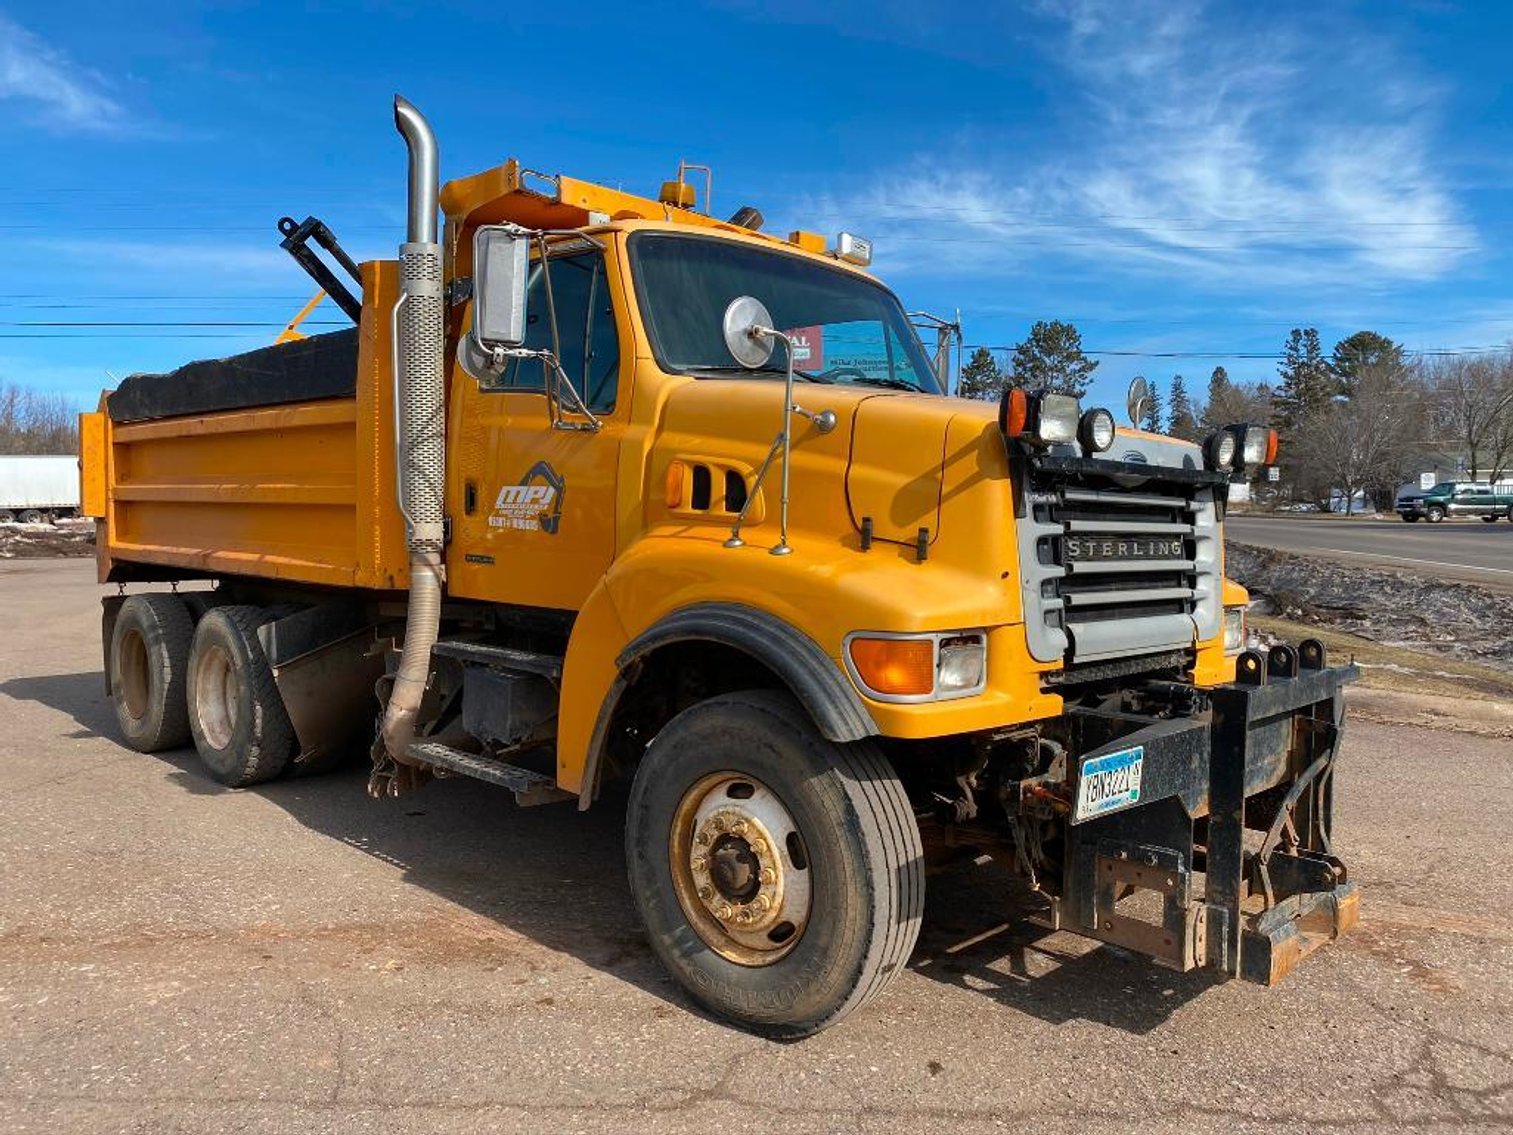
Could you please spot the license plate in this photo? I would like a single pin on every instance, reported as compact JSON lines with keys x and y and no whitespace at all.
{"x":1086,"y":548}
{"x":1109,"y":782}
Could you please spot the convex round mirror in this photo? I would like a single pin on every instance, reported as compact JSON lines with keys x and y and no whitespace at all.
{"x":1137,"y":400}
{"x":742,"y":317}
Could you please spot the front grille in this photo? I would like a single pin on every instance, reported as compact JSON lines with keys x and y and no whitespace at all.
{"x":1113,"y":573}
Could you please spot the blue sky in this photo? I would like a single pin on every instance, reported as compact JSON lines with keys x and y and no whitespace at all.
{"x":1173,"y":177}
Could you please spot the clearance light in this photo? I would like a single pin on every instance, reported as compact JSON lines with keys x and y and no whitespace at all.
{"x":676,"y":471}
{"x":853,"y":249}
{"x":923,"y":667}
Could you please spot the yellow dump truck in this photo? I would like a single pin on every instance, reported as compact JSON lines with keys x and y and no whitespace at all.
{"x":604,"y":489}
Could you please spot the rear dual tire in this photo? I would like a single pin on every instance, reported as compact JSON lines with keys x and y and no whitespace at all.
{"x":237,"y":718}
{"x":173,"y":681}
{"x":824,"y":831}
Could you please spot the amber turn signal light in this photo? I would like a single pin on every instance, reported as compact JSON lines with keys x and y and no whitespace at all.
{"x":675,"y":474}
{"x":1013,"y":412}
{"x":895,"y":666}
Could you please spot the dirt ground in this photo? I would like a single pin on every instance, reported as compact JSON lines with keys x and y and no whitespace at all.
{"x":176,"y":957}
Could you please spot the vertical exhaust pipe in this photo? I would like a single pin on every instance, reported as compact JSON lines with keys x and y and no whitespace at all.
{"x":420,"y":405}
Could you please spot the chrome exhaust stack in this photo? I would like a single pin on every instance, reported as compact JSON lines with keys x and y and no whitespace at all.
{"x":420,"y":427}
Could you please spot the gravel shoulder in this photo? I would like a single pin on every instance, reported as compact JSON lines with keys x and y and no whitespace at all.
{"x":177,"y":957}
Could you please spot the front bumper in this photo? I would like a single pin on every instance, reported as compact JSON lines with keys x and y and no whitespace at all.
{"x":1260,"y":760}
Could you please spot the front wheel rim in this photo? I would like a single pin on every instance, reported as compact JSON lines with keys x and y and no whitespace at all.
{"x":740,"y":869}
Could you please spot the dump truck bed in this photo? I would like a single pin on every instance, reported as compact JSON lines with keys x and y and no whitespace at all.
{"x":278,"y":463}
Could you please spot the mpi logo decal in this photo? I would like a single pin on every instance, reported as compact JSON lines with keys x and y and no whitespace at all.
{"x":535,"y":504}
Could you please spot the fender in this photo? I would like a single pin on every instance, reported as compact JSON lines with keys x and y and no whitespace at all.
{"x":804,"y":668}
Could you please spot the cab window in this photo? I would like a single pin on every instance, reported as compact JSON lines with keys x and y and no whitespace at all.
{"x":587,"y":341}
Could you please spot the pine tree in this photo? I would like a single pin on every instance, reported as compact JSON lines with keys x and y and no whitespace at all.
{"x":981,"y":377}
{"x":1181,"y":421}
{"x":1051,"y":360}
{"x":1307,"y":387}
{"x":1362,"y":353}
{"x":1152,"y":420}
{"x":1220,"y":397}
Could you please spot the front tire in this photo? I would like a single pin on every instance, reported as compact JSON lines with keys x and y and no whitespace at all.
{"x":779,"y":875}
{"x":1434,"y":514}
{"x":240,"y":726}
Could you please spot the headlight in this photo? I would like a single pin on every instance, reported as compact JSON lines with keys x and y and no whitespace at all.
{"x":1096,"y":430}
{"x":914,"y":668}
{"x":1234,"y":630}
{"x":1059,"y":415}
{"x":962,"y":664}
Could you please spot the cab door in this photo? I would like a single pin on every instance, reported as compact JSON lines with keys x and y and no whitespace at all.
{"x":534,"y":503}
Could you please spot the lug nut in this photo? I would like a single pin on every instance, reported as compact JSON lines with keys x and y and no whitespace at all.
{"x":768,"y":876}
{"x":718,"y":823}
{"x":724,"y":913}
{"x":706,"y":893}
{"x":738,"y":828}
{"x":700,"y":864}
{"x":703,"y":839}
{"x":763,"y":902}
{"x":759,"y":847}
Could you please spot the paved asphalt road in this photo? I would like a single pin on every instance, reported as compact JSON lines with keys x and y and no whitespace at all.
{"x":175,"y":957}
{"x":1470,"y":551}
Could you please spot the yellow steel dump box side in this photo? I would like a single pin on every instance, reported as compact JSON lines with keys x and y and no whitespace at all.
{"x":302,"y":491}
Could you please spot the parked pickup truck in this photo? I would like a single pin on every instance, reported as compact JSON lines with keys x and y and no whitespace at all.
{"x":1458,"y":498}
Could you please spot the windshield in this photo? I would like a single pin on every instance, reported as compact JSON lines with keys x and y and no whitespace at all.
{"x":845,"y":328}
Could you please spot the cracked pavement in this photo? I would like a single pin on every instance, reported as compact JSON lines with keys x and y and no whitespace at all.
{"x":175,"y":957}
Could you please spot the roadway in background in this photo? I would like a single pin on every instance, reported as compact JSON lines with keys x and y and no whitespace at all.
{"x":1467,"y":551}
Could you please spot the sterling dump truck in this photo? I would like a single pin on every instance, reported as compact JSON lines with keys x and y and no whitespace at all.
{"x":605,"y":497}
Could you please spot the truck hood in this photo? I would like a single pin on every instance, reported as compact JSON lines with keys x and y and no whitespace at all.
{"x":901,"y":445}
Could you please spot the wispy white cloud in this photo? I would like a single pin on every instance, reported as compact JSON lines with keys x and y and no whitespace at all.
{"x":59,"y":93}
{"x":1233,"y":154}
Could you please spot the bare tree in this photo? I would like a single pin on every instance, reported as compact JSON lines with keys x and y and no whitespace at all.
{"x":1473,"y":408}
{"x":33,"y":422}
{"x":1363,"y":446}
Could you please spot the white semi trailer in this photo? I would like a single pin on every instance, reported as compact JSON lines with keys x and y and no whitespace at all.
{"x":38,"y":489}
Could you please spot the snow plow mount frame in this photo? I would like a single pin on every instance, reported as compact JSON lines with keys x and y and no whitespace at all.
{"x":1232,"y":831}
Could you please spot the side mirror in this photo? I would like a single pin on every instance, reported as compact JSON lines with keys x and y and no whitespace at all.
{"x":501,"y":258}
{"x":1137,"y":400}
{"x":744,"y":316}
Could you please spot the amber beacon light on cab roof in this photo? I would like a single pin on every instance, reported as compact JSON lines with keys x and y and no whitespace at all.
{"x":603,"y":489}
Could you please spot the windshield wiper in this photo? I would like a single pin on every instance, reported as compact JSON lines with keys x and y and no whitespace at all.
{"x":890,"y":383}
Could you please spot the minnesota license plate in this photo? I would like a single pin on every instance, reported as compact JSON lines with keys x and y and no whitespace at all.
{"x":1085,"y":548}
{"x":1109,"y":782}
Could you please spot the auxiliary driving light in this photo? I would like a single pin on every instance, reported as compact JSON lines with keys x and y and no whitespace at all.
{"x":1096,"y":430}
{"x":1220,"y":450}
{"x":1041,"y":419}
{"x":1257,"y":445}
